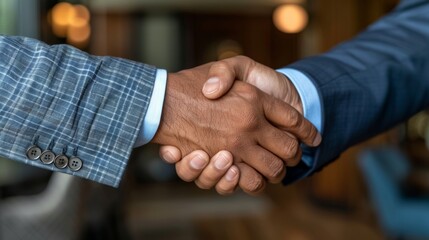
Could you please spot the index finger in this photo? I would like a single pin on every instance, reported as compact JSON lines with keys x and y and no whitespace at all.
{"x":288,"y":118}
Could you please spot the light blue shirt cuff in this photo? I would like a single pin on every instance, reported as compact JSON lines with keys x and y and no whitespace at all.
{"x":153,"y":115}
{"x":310,"y":102}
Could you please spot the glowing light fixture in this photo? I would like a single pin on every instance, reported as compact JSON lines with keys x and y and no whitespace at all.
{"x":79,"y":36}
{"x":290,"y":18}
{"x":80,"y":16}
{"x":71,"y":22}
{"x":60,"y":15}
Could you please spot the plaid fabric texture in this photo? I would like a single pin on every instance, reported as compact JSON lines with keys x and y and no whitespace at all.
{"x":69,"y":102}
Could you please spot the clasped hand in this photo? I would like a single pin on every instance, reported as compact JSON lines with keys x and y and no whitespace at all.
{"x":233,"y":132}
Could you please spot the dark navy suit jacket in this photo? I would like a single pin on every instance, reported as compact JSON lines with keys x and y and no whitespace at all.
{"x":371,"y":83}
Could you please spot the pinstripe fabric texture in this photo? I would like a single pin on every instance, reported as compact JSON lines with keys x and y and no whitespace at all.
{"x":62,"y":99}
{"x":371,"y":83}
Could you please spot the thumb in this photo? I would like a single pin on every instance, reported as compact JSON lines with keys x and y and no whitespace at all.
{"x":220,"y":80}
{"x":222,"y":74}
{"x":170,"y":154}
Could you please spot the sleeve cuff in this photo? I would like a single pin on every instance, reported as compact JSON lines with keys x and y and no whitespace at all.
{"x":310,"y":102}
{"x":153,"y":116}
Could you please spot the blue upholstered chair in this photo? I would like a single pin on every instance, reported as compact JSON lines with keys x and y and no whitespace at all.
{"x":400,"y":216}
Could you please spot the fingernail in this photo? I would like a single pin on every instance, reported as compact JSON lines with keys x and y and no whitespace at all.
{"x":212,"y":85}
{"x":231,"y":174}
{"x":198,"y":162}
{"x":221,"y":162}
{"x":168,"y":157}
{"x":317,"y":140}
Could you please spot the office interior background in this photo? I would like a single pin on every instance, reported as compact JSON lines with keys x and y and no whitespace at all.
{"x":375,"y":190}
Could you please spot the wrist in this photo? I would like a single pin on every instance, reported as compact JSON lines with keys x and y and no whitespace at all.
{"x":162,"y":135}
{"x":180,"y":115}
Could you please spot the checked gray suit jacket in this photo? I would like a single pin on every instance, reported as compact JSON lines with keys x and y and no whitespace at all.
{"x":64,"y":110}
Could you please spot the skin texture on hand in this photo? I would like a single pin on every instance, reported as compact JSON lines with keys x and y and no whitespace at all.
{"x":222,"y":76}
{"x":246,"y":122}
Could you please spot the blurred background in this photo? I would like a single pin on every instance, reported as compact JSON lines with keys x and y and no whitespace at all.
{"x":376,"y":190}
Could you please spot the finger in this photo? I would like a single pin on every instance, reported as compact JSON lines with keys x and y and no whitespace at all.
{"x":288,"y":118}
{"x":192,"y":165}
{"x":170,"y":154}
{"x":279,"y":142}
{"x":265,"y":162}
{"x":251,"y":182}
{"x":228,"y":183}
{"x":295,"y":160}
{"x":222,"y":75}
{"x":218,"y":166}
{"x":220,"y":79}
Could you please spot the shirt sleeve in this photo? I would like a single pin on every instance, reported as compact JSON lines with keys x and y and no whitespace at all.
{"x":310,"y":102}
{"x":153,"y":116}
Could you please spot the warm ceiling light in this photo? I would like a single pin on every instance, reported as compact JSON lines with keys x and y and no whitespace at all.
{"x":71,"y":22}
{"x":78,"y":36}
{"x":60,"y":17}
{"x":80,"y":16}
{"x":290,"y":18}
{"x":62,"y":14}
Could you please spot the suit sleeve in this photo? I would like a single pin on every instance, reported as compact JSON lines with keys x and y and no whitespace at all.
{"x":371,"y":83}
{"x":72,"y":104}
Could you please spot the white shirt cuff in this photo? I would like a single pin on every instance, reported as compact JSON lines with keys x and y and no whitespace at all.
{"x":153,"y":115}
{"x":310,"y":101}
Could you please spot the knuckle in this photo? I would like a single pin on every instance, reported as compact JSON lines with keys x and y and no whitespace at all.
{"x":250,"y":121}
{"x":245,"y":60}
{"x":242,"y":58}
{"x":294,"y":161}
{"x":182,"y":173}
{"x":247,"y":91}
{"x":294,"y":119}
{"x":202,"y":185}
{"x":224,"y":189}
{"x":184,"y":176}
{"x":305,"y":132}
{"x":239,"y":143}
{"x":312,"y":133}
{"x":236,"y":143}
{"x":291,"y":148}
{"x":221,"y":65}
{"x":252,"y":93}
{"x":209,"y":179}
{"x":247,"y":118}
{"x":276,"y":170}
{"x":254,"y":185}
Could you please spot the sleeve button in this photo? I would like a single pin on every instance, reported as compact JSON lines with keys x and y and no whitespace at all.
{"x":33,"y":153}
{"x":47,"y":157}
{"x":75,"y":164}
{"x":61,"y":161}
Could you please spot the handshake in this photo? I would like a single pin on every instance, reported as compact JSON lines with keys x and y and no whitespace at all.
{"x":225,"y":133}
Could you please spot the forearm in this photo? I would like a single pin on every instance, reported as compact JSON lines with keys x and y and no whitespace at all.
{"x":374,"y":81}
{"x":73,"y":103}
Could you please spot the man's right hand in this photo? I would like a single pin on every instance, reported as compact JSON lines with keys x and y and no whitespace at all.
{"x":226,"y":71}
{"x":248,"y":123}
